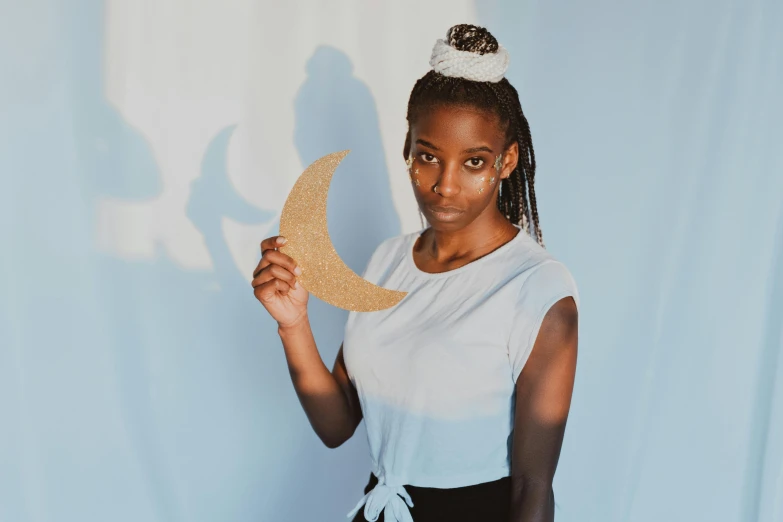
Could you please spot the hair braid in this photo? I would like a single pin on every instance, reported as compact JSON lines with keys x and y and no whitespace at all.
{"x":531,"y":169}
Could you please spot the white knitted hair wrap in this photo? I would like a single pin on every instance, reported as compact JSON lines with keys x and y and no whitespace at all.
{"x":489,"y":67}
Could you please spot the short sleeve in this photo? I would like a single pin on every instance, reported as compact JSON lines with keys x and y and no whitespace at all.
{"x":546,"y":285}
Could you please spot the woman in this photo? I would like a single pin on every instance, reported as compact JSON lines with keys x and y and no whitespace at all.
{"x":465,"y":385}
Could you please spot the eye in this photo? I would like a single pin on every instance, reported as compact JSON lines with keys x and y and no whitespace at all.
{"x":426,"y":157}
{"x":475,"y":163}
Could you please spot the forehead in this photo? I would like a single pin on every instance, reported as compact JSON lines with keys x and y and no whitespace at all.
{"x":460,"y":127}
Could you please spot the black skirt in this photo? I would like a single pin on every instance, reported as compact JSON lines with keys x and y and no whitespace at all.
{"x":485,"y":502}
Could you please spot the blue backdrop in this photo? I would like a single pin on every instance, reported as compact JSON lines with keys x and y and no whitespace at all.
{"x":136,"y":385}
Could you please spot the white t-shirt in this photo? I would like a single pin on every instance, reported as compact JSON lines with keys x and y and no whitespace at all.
{"x":436,"y":373}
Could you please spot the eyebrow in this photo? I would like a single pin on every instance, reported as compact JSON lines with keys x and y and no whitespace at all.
{"x":479,"y":149}
{"x":429,"y":145}
{"x":426,"y":144}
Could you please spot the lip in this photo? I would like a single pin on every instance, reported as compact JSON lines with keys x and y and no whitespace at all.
{"x":444,"y":213}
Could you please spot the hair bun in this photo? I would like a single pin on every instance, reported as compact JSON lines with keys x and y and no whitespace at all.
{"x":469,"y":52}
{"x":471,"y":38}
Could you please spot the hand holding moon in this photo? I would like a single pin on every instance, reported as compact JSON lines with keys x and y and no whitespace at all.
{"x":275,"y":286}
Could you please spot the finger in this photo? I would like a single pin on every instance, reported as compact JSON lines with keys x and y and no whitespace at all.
{"x":275,"y":257}
{"x":274,"y":272}
{"x":262,"y":276}
{"x":265,"y":292}
{"x":272,"y":243}
{"x":270,"y":289}
{"x":260,"y":266}
{"x":285,"y":260}
{"x":283,"y":274}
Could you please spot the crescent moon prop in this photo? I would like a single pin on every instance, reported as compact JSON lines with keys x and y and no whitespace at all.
{"x":324,"y":274}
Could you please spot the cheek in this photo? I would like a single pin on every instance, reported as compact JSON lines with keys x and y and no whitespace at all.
{"x":483,"y":184}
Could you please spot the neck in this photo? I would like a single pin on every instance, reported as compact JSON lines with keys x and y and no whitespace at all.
{"x":485,"y":233}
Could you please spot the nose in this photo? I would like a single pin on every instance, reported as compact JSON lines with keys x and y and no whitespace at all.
{"x":448,"y":181}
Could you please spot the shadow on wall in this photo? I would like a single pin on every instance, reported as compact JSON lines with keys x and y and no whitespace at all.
{"x":200,"y":373}
{"x":336,"y":111}
{"x":212,"y":198}
{"x":141,"y":391}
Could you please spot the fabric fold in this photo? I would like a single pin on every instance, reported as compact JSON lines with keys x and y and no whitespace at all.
{"x":391,"y":500}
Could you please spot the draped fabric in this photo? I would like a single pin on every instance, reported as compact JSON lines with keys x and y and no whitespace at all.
{"x":147,"y":147}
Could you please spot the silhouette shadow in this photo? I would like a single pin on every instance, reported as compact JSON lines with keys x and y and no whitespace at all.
{"x":336,"y":111}
{"x":93,"y":441}
{"x":212,"y":198}
{"x":139,"y":390}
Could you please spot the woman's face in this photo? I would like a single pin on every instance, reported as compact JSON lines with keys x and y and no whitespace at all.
{"x":453,"y":171}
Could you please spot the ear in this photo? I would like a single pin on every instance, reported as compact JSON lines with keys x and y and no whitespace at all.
{"x":510,"y":159}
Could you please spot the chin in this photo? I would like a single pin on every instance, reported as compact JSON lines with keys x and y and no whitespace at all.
{"x":441,"y":221}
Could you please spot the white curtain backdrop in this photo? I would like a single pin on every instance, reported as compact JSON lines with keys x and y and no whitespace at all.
{"x":147,"y":146}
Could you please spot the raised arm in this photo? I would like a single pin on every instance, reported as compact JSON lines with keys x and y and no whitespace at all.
{"x":328,"y":398}
{"x":543,"y":399}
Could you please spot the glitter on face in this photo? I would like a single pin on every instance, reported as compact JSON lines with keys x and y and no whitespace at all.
{"x":324,"y":274}
{"x":498,"y":163}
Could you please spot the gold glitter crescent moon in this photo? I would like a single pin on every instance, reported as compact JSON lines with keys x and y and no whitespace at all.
{"x":324,"y":274}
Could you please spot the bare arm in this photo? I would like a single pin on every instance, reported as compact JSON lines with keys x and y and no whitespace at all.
{"x":543,"y":399}
{"x":329,"y":399}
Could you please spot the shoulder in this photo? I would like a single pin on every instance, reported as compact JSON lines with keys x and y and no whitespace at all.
{"x":542,"y":284}
{"x":540,"y":276}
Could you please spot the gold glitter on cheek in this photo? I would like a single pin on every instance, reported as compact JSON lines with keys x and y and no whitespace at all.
{"x":324,"y":274}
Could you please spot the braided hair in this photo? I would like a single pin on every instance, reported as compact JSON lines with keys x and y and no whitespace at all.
{"x":499,"y":98}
